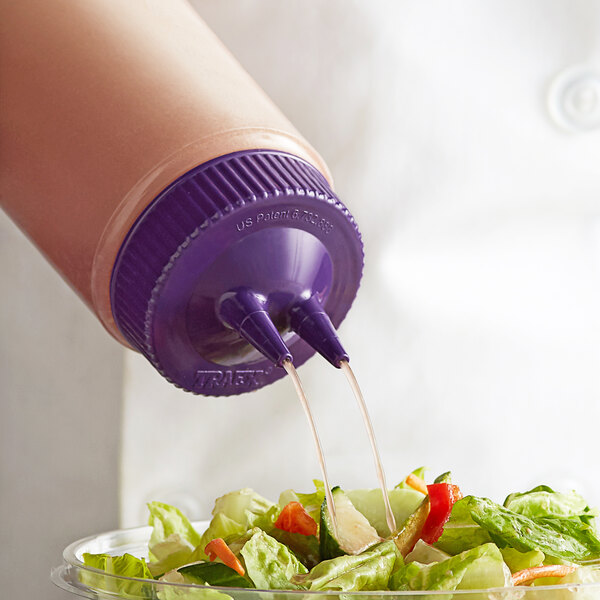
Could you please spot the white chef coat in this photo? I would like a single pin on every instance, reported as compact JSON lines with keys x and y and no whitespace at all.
{"x":464,"y":138}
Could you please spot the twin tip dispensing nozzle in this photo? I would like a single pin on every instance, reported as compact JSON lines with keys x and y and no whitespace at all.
{"x":245,"y":311}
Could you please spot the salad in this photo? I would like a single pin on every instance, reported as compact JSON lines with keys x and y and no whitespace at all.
{"x":444,"y":542}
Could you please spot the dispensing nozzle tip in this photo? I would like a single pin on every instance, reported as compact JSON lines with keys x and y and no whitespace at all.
{"x":310,"y":321}
{"x":243,"y":310}
{"x":288,"y":358}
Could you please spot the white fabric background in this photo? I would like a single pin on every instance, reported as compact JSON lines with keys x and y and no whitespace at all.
{"x":476,"y":333}
{"x":60,"y":395}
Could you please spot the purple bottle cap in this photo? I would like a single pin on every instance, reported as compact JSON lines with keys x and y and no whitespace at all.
{"x":221,"y":261}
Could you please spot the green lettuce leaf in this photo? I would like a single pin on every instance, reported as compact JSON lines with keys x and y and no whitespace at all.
{"x":173,"y":538}
{"x":461,"y":532}
{"x":166,"y":521}
{"x":425,"y":554}
{"x":517,"y":561}
{"x":402,"y":578}
{"x":478,"y":568}
{"x":563,"y":538}
{"x":125,"y":566}
{"x":165,"y":592}
{"x":304,"y":547}
{"x":171,"y":592}
{"x":236,"y":543}
{"x":221,"y":526}
{"x":543,"y":502}
{"x":236,"y":513}
{"x":370,"y":570}
{"x":553,"y":560}
{"x":246,"y":507}
{"x":286,"y":497}
{"x":269,"y":564}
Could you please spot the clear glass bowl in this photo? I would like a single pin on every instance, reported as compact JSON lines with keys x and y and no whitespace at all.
{"x":86,"y":582}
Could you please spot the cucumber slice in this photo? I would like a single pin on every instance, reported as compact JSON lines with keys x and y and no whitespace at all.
{"x":370,"y":503}
{"x":354,"y":532}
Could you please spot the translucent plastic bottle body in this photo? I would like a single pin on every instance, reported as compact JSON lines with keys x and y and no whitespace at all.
{"x":105,"y":103}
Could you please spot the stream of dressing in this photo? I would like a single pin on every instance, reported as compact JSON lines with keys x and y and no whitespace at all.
{"x":291,"y":371}
{"x":389,"y":515}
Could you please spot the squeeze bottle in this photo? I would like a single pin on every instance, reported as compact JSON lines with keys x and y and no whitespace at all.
{"x":169,"y":191}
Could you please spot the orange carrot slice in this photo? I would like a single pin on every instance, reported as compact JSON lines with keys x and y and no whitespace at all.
{"x":528,"y":575}
{"x":416,"y":483}
{"x":219,"y":549}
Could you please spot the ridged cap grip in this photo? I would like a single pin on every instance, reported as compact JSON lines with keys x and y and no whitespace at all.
{"x":261,"y":219}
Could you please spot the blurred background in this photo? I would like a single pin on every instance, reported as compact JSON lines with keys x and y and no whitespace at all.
{"x":464,"y":137}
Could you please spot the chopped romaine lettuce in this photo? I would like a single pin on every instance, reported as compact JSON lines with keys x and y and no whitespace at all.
{"x":125,"y":566}
{"x":286,"y":497}
{"x":173,"y":538}
{"x":246,"y":507}
{"x":517,"y":561}
{"x":305,"y":547}
{"x":166,"y":521}
{"x":461,"y":532}
{"x":369,"y":570}
{"x":425,"y":554}
{"x":171,"y":592}
{"x":237,"y":512}
{"x":478,"y":568}
{"x":563,"y":538}
{"x":269,"y":564}
{"x":542,"y":501}
{"x":221,"y":526}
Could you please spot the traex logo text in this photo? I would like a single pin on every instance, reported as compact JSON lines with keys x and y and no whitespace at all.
{"x":245,"y":378}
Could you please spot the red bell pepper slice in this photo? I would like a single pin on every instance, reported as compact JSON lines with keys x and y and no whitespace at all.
{"x":219,"y":549}
{"x":295,"y":519}
{"x":442,"y":497}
